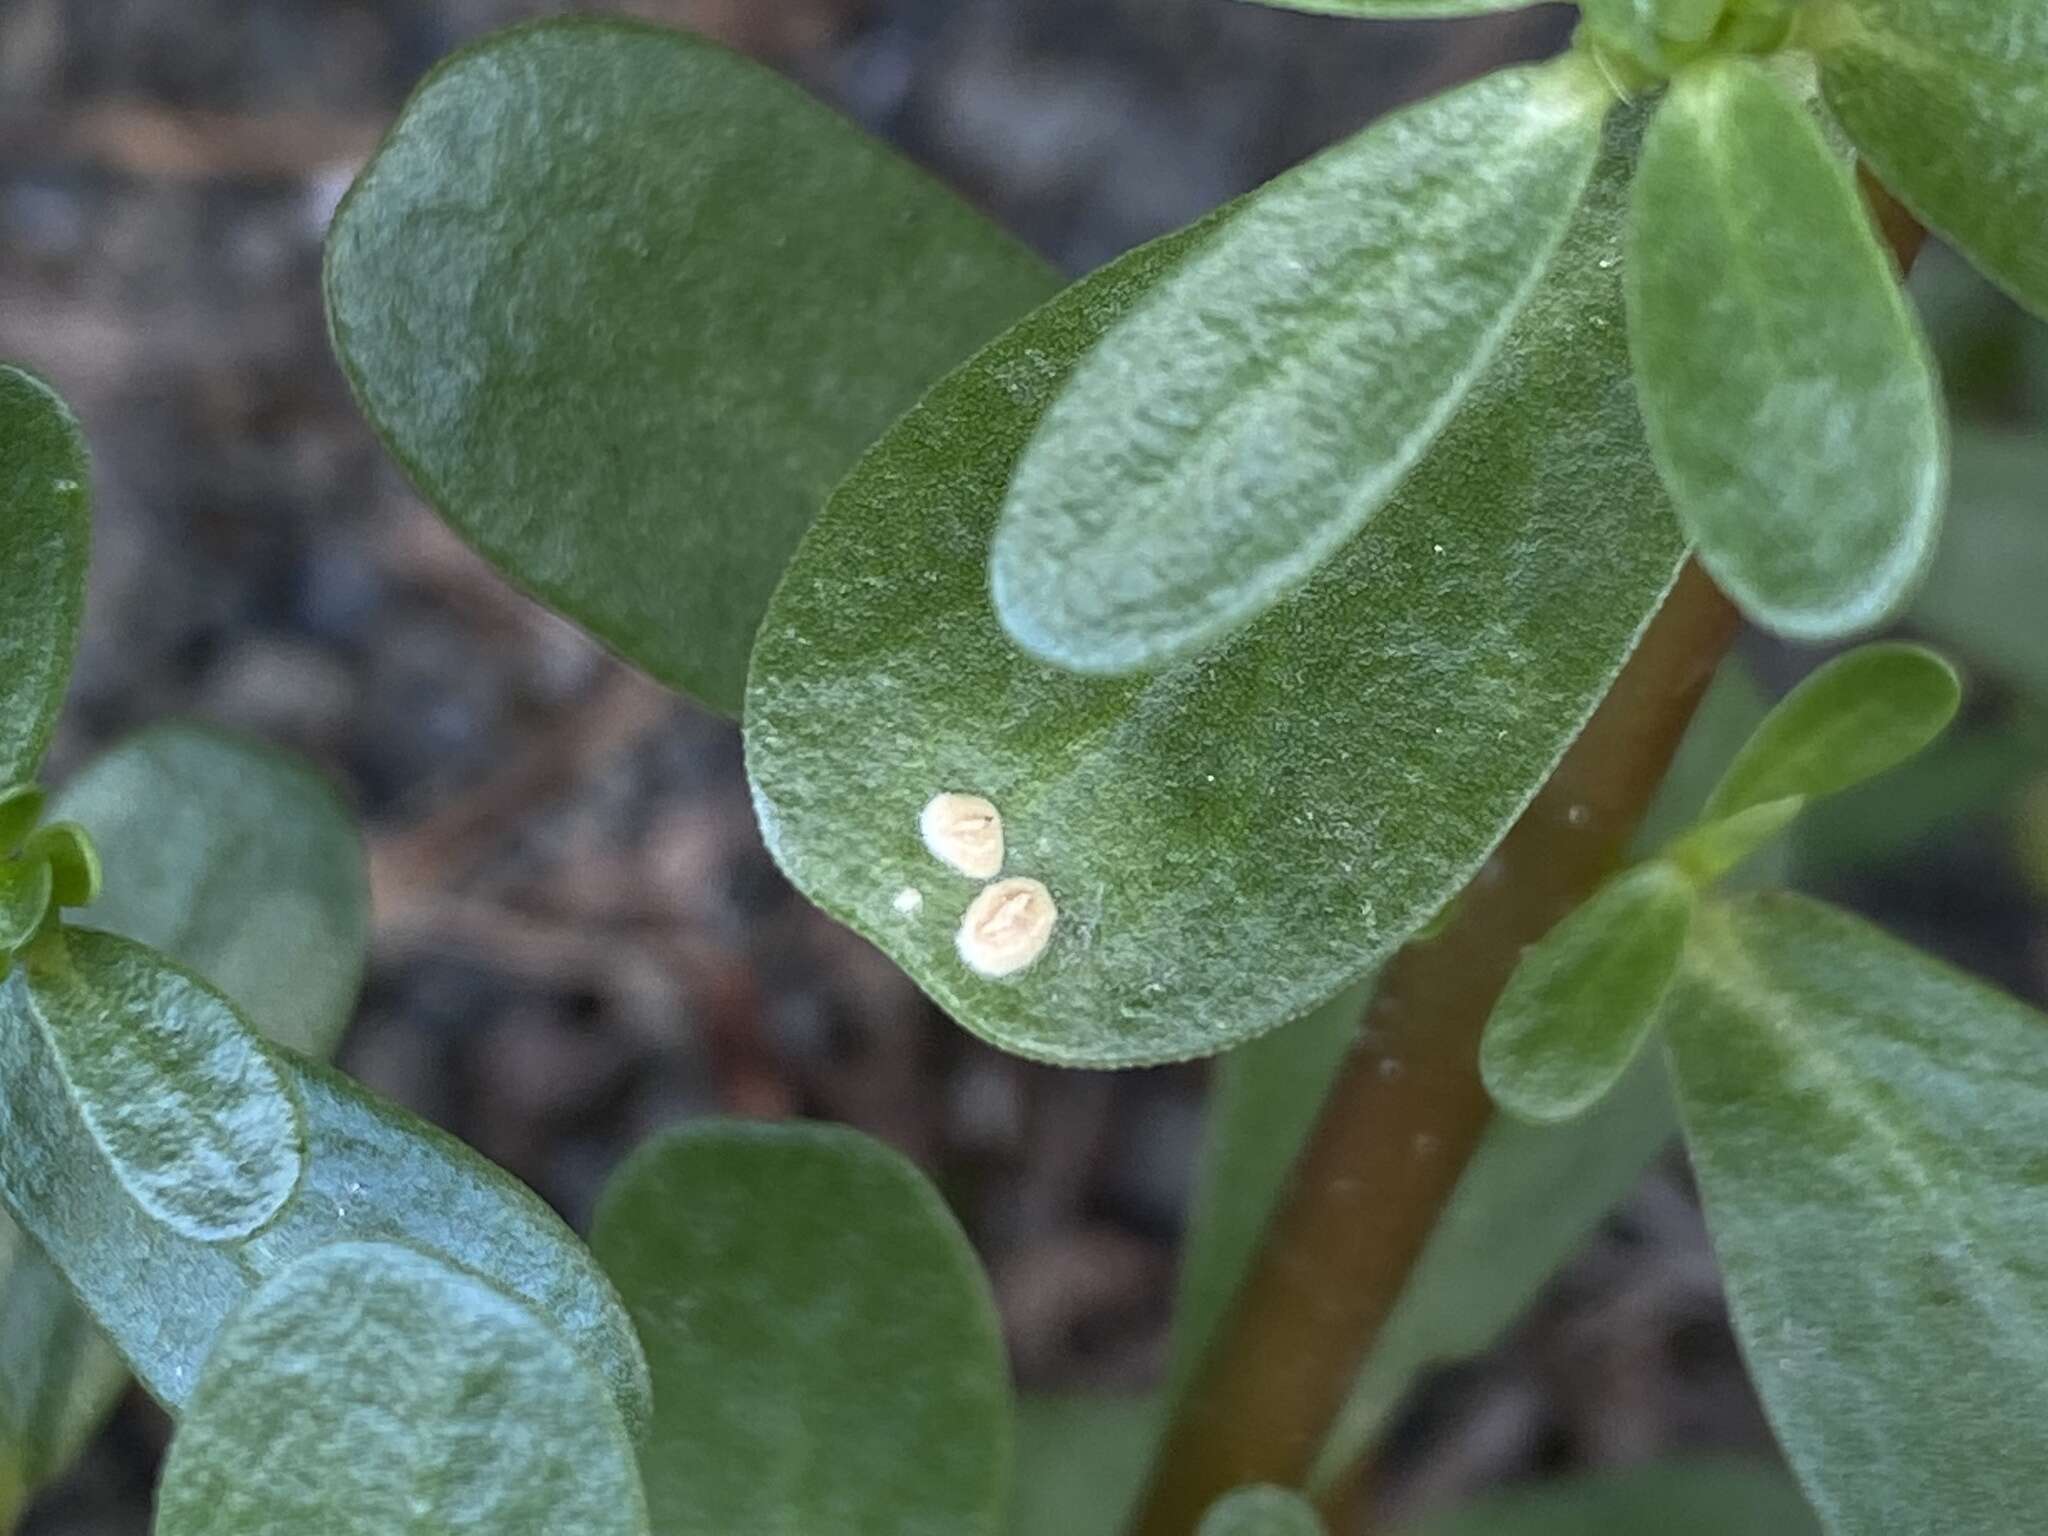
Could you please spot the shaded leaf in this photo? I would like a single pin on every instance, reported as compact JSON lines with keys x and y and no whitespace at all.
{"x":1866,"y":1125}
{"x":45,"y":537}
{"x":372,"y":1172}
{"x":189,"y":1111}
{"x":1583,"y":998}
{"x":1679,"y":1498}
{"x":1982,"y":593}
{"x":238,"y":862}
{"x":826,"y":1353}
{"x":1788,"y":392}
{"x":73,"y":861}
{"x":1851,"y":720}
{"x":1418,"y":691}
{"x":1261,"y":1510}
{"x":1081,"y":1461}
{"x":372,"y":1390}
{"x":1423,"y":9}
{"x":1946,"y":99}
{"x":58,"y":1377}
{"x":1268,"y":397}
{"x":626,"y":306}
{"x":20,"y":808}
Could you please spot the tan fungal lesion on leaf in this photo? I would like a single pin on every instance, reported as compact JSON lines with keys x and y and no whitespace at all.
{"x":965,"y":832}
{"x":1007,"y":927}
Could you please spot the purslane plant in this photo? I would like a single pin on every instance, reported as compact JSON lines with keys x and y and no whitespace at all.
{"x":1230,"y":626}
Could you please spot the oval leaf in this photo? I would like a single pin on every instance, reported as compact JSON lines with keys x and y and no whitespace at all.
{"x":1677,"y":1498}
{"x":826,"y":1353}
{"x":190,"y":1112}
{"x":372,"y":1172}
{"x":1261,"y":1510}
{"x":1853,"y":719}
{"x":238,"y":862}
{"x":626,"y":306}
{"x":45,"y":538}
{"x":1788,"y":392}
{"x":370,"y":1390}
{"x":1583,"y":998}
{"x":1268,"y":397}
{"x":1867,"y":1129}
{"x":1944,"y":97}
{"x":20,"y":808}
{"x":1418,"y":692}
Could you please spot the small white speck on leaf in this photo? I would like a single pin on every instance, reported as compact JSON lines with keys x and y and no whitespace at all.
{"x":909,"y":901}
{"x":1007,"y":927}
{"x":964,"y":831}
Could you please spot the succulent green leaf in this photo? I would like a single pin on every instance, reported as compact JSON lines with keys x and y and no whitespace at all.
{"x":372,"y":1172}
{"x":1853,"y":719}
{"x":626,"y":306}
{"x":372,"y":1390}
{"x":27,"y":890}
{"x":1261,"y":1510}
{"x":1788,"y":392}
{"x":45,"y":538}
{"x":1583,"y":998}
{"x":1081,"y":1461}
{"x":1267,"y":398}
{"x":1714,"y":848}
{"x":189,"y":1110}
{"x":73,"y":861}
{"x":1946,"y":99}
{"x":240,"y":863}
{"x":1419,"y":690}
{"x":21,"y":807}
{"x":1722,"y":1497}
{"x":826,"y":1353}
{"x":1866,"y":1125}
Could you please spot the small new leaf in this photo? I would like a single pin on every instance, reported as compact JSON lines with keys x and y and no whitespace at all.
{"x":74,"y":862}
{"x":1261,"y":1510}
{"x":27,"y":890}
{"x":372,"y":1390}
{"x":1399,"y":9}
{"x":1788,"y":393}
{"x":1583,"y":998}
{"x":1266,"y":399}
{"x":45,"y":535}
{"x":20,"y":809}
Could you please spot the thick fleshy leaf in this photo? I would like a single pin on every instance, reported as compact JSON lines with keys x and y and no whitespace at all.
{"x":1261,"y":1510}
{"x":1583,"y":998}
{"x":1946,"y":99}
{"x":1680,"y":1498}
{"x":1417,"y":692}
{"x":1080,"y":1463}
{"x":238,"y":862}
{"x":58,"y":1377}
{"x":372,"y":1172}
{"x":1867,"y":1128}
{"x":184,"y":1104}
{"x":1267,"y":398}
{"x":45,"y":537}
{"x":626,"y":306}
{"x":373,"y":1390}
{"x":26,"y":892}
{"x":826,"y":1353}
{"x":1714,"y":848}
{"x":1853,"y":719}
{"x":1788,"y":392}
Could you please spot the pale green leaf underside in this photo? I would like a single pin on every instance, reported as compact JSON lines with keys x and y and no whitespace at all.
{"x":1265,"y":399}
{"x":1081,"y":1461}
{"x":45,"y":537}
{"x":826,"y":1353}
{"x":1947,"y":99}
{"x":239,"y":863}
{"x":1583,"y":998}
{"x":1418,"y":690}
{"x":372,"y":1390}
{"x":58,"y":1377}
{"x":184,"y":1104}
{"x":1867,"y":1129}
{"x":1679,"y":1498}
{"x":372,"y":1172}
{"x":626,"y":306}
{"x":1789,"y":395}
{"x":1853,"y":719}
{"x":1261,"y":1511}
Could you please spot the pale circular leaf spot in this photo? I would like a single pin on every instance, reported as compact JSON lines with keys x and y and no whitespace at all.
{"x":964,"y":831}
{"x":1007,"y":927}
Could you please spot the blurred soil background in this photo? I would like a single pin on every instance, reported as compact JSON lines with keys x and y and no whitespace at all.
{"x":578,"y":934}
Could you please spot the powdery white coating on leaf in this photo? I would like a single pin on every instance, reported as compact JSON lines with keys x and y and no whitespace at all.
{"x":1007,"y":927}
{"x":965,"y":832}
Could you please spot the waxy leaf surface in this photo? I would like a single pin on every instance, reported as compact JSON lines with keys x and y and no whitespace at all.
{"x":1232,"y":841}
{"x":1678,"y":1498}
{"x":1789,"y":395}
{"x":1261,"y":1511}
{"x":626,"y":306}
{"x":45,"y":537}
{"x":826,"y":1353}
{"x":1946,"y":98}
{"x":372,"y":1390}
{"x":1867,"y":1126}
{"x":1266,"y":398}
